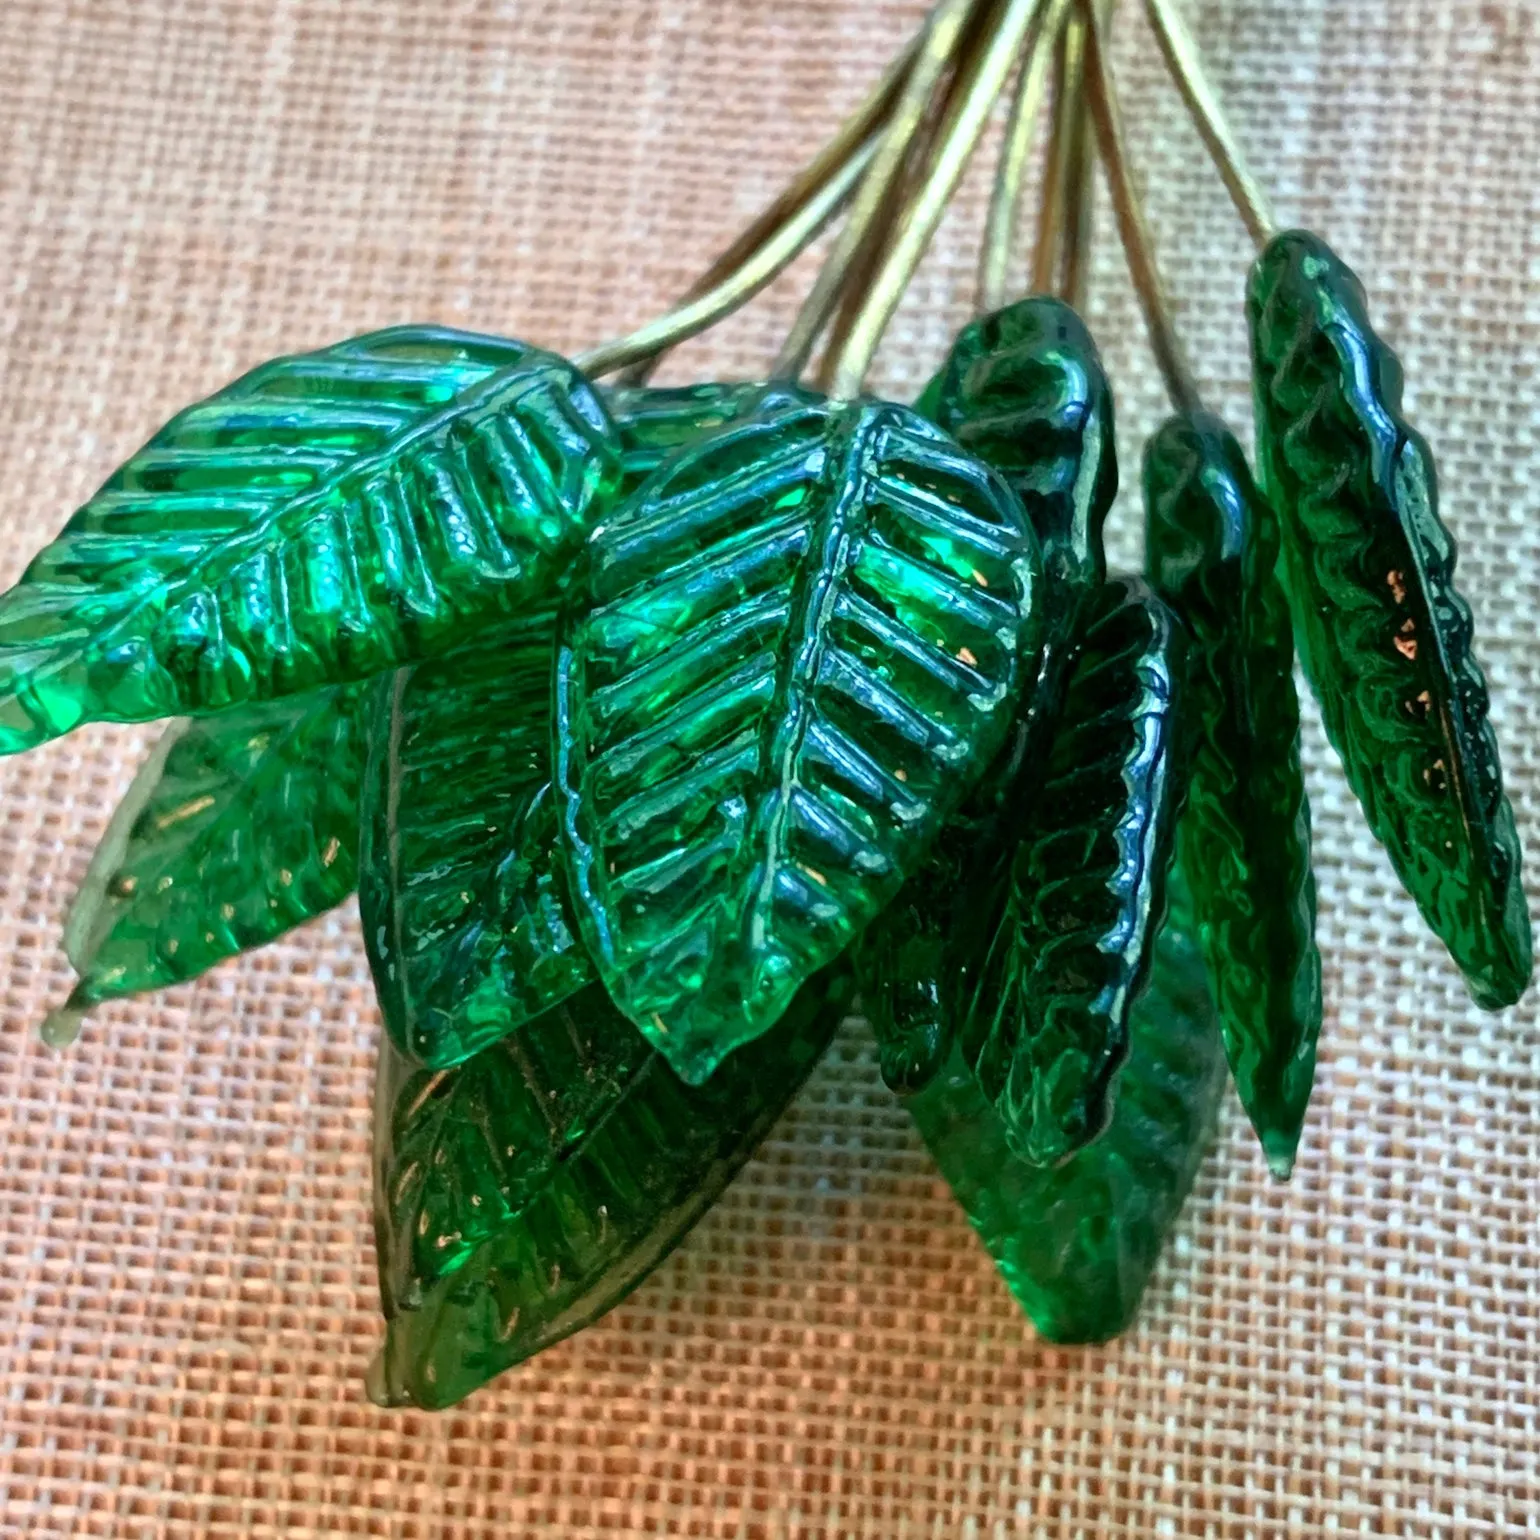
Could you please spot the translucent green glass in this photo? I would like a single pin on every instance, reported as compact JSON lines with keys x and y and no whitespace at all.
{"x":1023,"y":389}
{"x":1076,"y":1244}
{"x":236,"y":829}
{"x":656,"y":421}
{"x":807,"y":638}
{"x":1384,"y":635}
{"x":1212,"y":545}
{"x":522,"y":1194}
{"x":325,"y":518}
{"x":1047,"y":1030}
{"x":465,"y":913}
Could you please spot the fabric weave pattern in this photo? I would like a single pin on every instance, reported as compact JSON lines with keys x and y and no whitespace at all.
{"x":187,"y":1295}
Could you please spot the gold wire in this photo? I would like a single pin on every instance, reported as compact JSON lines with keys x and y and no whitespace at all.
{"x":944,"y":33}
{"x":846,"y":369}
{"x":1138,"y":244}
{"x":1075,"y":185}
{"x":1010,"y":179}
{"x":919,"y":162}
{"x":1045,"y":249}
{"x":1185,"y":62}
{"x":739,"y":286}
{"x":854,"y":136}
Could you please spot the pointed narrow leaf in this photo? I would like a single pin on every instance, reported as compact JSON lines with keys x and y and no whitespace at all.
{"x":521,"y":1195}
{"x":1383,"y":633}
{"x":1047,"y":1031}
{"x":1245,"y":837}
{"x":1076,"y":1245}
{"x":1023,"y":389}
{"x":465,"y":915}
{"x":325,"y":518}
{"x":807,"y":637}
{"x":235,"y":830}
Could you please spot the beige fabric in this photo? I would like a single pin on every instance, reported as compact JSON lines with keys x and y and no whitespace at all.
{"x":186,"y":1279}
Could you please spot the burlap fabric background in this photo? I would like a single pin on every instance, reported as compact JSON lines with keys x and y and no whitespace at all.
{"x":186,"y":1277}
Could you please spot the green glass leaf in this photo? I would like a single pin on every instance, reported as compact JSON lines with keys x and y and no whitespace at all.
{"x":466,"y":919}
{"x":323,"y":519}
{"x":521,"y":1195}
{"x":656,"y":421}
{"x":807,"y":638}
{"x":462,"y":1153}
{"x":1023,"y":389}
{"x":236,"y":829}
{"x":1047,"y":1030}
{"x":1212,"y":544}
{"x":1384,"y":635}
{"x":907,"y":993}
{"x":1076,"y":1244}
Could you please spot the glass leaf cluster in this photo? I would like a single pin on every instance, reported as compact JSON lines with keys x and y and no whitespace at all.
{"x":651,"y":724}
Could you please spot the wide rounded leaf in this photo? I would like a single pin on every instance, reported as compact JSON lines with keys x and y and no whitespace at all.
{"x":799,"y":645}
{"x":465,"y":915}
{"x":525,"y":1192}
{"x":1047,"y":1031}
{"x":1212,"y":543}
{"x":324,"y":518}
{"x":236,"y":829}
{"x":1384,"y":635}
{"x":1076,"y":1244}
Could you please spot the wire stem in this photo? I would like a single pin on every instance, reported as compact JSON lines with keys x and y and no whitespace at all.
{"x":1010,"y":179}
{"x":918,"y":159}
{"x":1185,"y":62}
{"x":855,"y":135}
{"x":1045,"y":248}
{"x":943,"y":34}
{"x":1138,"y":245}
{"x":1075,"y":182}
{"x":846,"y":370}
{"x":740,"y":285}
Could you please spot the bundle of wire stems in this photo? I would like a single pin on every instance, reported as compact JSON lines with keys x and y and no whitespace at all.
{"x":894,"y":165}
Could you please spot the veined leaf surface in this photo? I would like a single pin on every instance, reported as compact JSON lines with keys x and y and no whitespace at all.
{"x":465,"y":914}
{"x":1048,"y":1028}
{"x":655,"y":421}
{"x":1384,"y":635}
{"x":1212,"y":543}
{"x":325,"y":518}
{"x":1023,"y":389}
{"x":1076,"y":1244}
{"x":236,"y":829}
{"x":802,"y":641}
{"x":525,"y":1192}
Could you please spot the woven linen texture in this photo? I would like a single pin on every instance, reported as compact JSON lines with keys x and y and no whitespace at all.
{"x":187,"y":1296}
